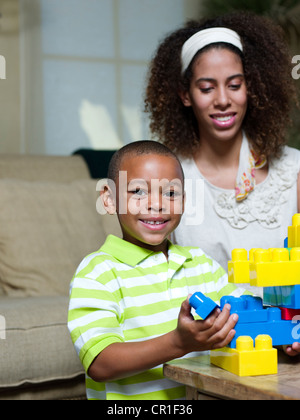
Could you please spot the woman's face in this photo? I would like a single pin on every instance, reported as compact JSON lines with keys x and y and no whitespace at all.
{"x":218,"y":94}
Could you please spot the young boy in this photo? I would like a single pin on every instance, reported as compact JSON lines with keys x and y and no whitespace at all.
{"x":129,"y":310}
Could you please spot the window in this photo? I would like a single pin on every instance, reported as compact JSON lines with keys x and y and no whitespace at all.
{"x":84,"y":64}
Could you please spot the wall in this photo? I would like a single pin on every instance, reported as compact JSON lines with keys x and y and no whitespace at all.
{"x":82,"y":71}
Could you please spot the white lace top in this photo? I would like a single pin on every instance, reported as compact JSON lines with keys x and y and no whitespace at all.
{"x":217,"y":223}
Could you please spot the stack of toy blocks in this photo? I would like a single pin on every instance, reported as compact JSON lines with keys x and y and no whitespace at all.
{"x":255,"y":324}
{"x":272,"y":321}
{"x":241,"y":357}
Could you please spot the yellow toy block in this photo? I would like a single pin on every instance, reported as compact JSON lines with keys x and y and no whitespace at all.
{"x":266,"y":267}
{"x":246,"y":360}
{"x":294,"y":232}
{"x":238,"y":268}
{"x":275,"y":267}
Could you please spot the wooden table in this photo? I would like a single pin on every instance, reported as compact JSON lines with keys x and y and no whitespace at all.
{"x":205,"y":381}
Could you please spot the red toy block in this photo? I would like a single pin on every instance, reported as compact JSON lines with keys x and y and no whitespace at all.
{"x":288,"y":314}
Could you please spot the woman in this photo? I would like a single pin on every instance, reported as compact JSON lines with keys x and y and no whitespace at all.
{"x":220,"y":96}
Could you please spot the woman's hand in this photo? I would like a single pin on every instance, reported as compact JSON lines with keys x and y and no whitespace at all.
{"x":293,"y":350}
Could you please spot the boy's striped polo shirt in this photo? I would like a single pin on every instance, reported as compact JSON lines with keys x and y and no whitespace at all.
{"x":124,"y":293}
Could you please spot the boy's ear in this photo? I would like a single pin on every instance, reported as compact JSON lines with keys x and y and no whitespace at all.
{"x":185,"y":98}
{"x":108,"y":200}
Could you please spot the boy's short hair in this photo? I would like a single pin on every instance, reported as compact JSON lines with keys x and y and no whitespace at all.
{"x":138,"y":148}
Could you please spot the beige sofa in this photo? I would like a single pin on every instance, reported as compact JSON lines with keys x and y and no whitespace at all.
{"x":48,"y":223}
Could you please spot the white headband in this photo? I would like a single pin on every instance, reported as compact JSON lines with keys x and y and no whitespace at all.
{"x":206,"y":37}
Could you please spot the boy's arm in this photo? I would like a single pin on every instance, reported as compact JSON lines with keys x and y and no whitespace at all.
{"x":121,"y":360}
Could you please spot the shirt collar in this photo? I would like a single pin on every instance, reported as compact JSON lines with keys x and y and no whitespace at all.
{"x":131,"y":254}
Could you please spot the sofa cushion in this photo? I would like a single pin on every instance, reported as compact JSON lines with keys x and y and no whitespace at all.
{"x":37,"y":347}
{"x":46,"y":229}
{"x":43,"y":168}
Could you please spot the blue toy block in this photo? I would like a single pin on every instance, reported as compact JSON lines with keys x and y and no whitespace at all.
{"x":281,"y":331}
{"x":202,"y":304}
{"x":249,"y":308}
{"x":283,"y":296}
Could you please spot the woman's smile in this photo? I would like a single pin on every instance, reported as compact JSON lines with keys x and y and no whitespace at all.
{"x":224,"y":120}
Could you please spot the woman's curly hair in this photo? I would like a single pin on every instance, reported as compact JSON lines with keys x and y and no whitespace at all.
{"x":270,"y":86}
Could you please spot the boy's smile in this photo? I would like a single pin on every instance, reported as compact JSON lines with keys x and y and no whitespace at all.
{"x":150,"y":189}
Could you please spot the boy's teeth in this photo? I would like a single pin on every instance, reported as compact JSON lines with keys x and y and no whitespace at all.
{"x":150,"y":222}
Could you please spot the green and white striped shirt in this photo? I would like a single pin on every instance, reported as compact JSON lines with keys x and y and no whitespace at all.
{"x":124,"y":293}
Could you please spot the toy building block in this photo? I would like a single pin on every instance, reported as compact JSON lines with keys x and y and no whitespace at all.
{"x":249,"y":308}
{"x":246,"y":360}
{"x":294,"y":232}
{"x":202,"y":304}
{"x":276,"y":267}
{"x":266,"y":321}
{"x":272,"y":267}
{"x":289,"y":314}
{"x":238,"y":267}
{"x":286,"y":242}
{"x":283,"y":296}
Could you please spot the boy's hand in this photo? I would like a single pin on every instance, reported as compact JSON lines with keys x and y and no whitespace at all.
{"x":215,"y":332}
